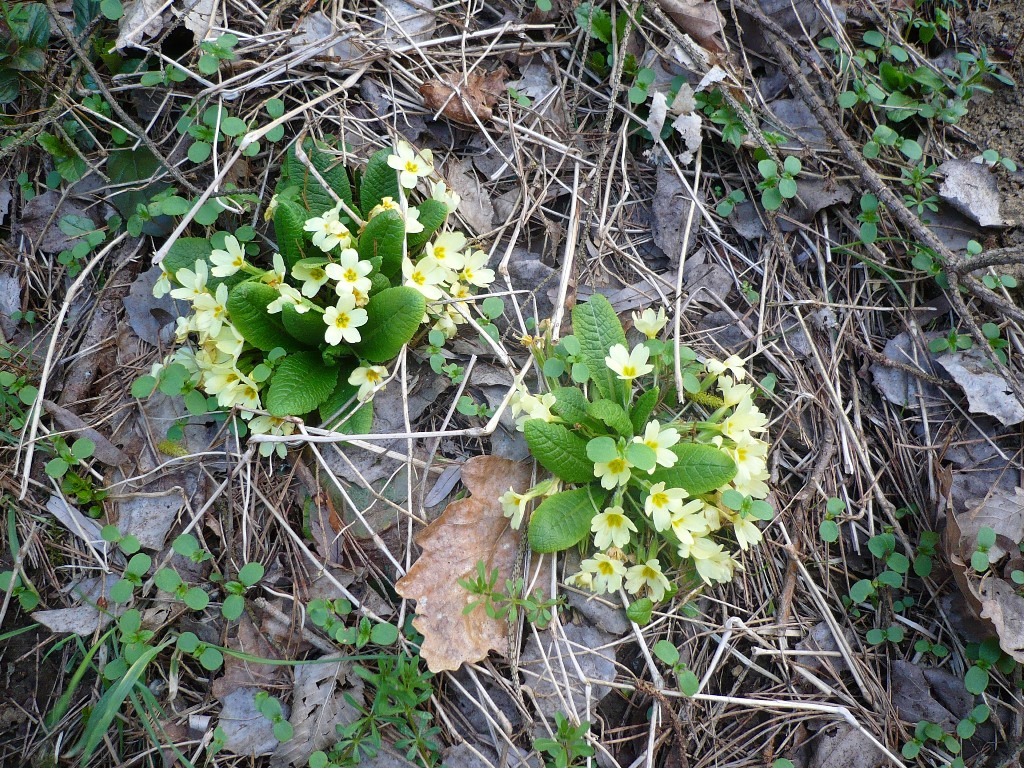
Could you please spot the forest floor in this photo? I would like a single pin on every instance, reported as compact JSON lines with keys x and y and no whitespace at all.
{"x":644,"y":151}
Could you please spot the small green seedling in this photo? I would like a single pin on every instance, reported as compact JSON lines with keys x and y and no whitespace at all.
{"x":777,"y":187}
{"x":729,"y":203}
{"x":234,"y":602}
{"x":208,"y":656}
{"x":568,"y":747}
{"x":216,"y":51}
{"x":270,"y":708}
{"x":894,"y":634}
{"x":828,"y":530}
{"x":669,"y":654}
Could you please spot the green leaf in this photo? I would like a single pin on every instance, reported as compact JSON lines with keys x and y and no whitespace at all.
{"x":393,"y":317}
{"x":247,"y":308}
{"x":642,"y":409}
{"x":300,"y":383}
{"x":597,"y":328}
{"x":381,"y":242}
{"x":307,"y":328}
{"x":196,"y":599}
{"x":232,"y":607}
{"x":613,"y":415}
{"x":640,"y":611}
{"x":312,"y":195}
{"x":109,"y":705}
{"x":700,"y":469}
{"x":975,"y":681}
{"x":641,"y":456}
{"x":563,"y":520}
{"x":667,"y":652}
{"x":559,"y":451}
{"x":828,"y":530}
{"x":359,"y":422}
{"x":82,"y":448}
{"x":250,"y":573}
{"x":602,"y":449}
{"x":288,"y":221}
{"x":432,"y":215}
{"x":383,"y":634}
{"x":332,"y":169}
{"x":570,"y":404}
{"x":379,"y":181}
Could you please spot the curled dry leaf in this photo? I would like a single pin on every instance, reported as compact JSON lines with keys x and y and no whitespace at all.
{"x":465,"y":100}
{"x":700,"y":19}
{"x":468,"y":531}
{"x":990,"y":596}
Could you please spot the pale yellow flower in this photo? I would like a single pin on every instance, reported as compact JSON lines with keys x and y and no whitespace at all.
{"x":647,"y":575}
{"x":350,"y":273}
{"x":343,"y":321}
{"x":662,"y":503}
{"x":312,"y":277}
{"x":228,"y":261}
{"x":659,"y":440}
{"x":425,"y":276}
{"x":628,"y":365}
{"x":606,"y":572}
{"x":732,"y":364}
{"x":192,"y":282}
{"x":613,"y":473}
{"x":712,"y":561}
{"x":368,"y":378}
{"x":650,"y":323}
{"x":412,"y":166}
{"x":611,"y":528}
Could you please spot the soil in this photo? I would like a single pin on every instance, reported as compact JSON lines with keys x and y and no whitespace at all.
{"x":996,"y":120}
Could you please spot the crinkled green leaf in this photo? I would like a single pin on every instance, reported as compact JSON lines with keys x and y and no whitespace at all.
{"x":381,"y":243}
{"x":598,"y":329}
{"x":247,"y":309}
{"x":356,"y":418}
{"x":288,"y":221}
{"x":379,"y":181}
{"x":642,"y":409}
{"x":432,"y":215}
{"x":613,"y":415}
{"x":393,"y":317}
{"x":701,"y":468}
{"x":563,"y":520}
{"x":300,"y":383}
{"x":311,"y":193}
{"x":559,"y":451}
{"x":570,"y":404}
{"x":307,"y":328}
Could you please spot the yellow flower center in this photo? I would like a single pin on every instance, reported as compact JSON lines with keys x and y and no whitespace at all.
{"x":317,"y":274}
{"x":372,"y":376}
{"x":615,"y":520}
{"x":412,"y":166}
{"x":649,"y":573}
{"x":659,"y":499}
{"x":605,"y":568}
{"x":439,"y":253}
{"x":351,"y":275}
{"x":652,"y":444}
{"x":342,"y":320}
{"x":617,"y":465}
{"x":629,"y":370}
{"x":418,"y":278}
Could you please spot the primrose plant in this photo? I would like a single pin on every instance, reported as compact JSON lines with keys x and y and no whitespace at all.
{"x":357,"y":269}
{"x":648,"y":480}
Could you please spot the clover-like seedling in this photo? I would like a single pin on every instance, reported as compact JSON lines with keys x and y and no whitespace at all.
{"x":894,"y":634}
{"x":128,"y":544}
{"x":777,"y":187}
{"x":27,"y":598}
{"x":168,"y":580}
{"x":924,"y":645}
{"x":993,"y":334}
{"x":747,"y":506}
{"x":137,"y":567}
{"x":828,"y":530}
{"x":68,"y":456}
{"x":669,"y":654}
{"x":729,"y":203}
{"x":270,"y":708}
{"x":188,"y":547}
{"x":868,"y":218}
{"x":986,"y":540}
{"x":208,"y":656}
{"x":967,"y":727}
{"x":999,"y":281}
{"x":987,"y":655}
{"x":216,"y":51}
{"x":234,"y":602}
{"x":134,"y":638}
{"x":951,"y":342}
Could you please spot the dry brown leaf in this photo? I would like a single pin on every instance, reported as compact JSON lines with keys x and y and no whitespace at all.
{"x":465,"y":100}
{"x":700,"y":19}
{"x":469,"y":530}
